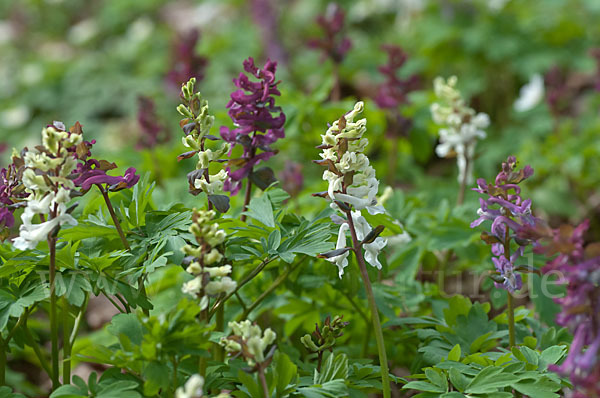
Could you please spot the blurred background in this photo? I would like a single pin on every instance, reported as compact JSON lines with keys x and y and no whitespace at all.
{"x":116,"y":67}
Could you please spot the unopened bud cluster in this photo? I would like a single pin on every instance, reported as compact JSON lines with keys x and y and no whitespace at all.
{"x":196,"y":125}
{"x":324,"y":338}
{"x":250,"y":341}
{"x":206,"y":260}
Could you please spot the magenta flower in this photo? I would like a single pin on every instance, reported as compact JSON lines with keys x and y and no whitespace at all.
{"x":258,"y":122}
{"x":334,"y":45}
{"x":393,"y":92}
{"x":11,"y":193}
{"x":93,"y":172}
{"x":579,"y":267}
{"x":153,"y":132}
{"x":186,"y":63}
{"x":511,"y":219}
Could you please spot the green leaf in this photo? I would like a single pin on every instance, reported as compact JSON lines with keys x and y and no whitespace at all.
{"x":285,"y":373}
{"x":457,"y":379}
{"x":422,"y":386}
{"x":251,"y":385}
{"x":273,"y":241}
{"x":156,"y":377}
{"x":127,"y":325}
{"x":454,"y":354}
{"x":334,"y":367}
{"x":540,"y":388}
{"x":68,"y":391}
{"x":261,"y":210}
{"x":436,"y":378}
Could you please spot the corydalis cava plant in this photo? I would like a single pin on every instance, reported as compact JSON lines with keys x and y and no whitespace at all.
{"x":61,"y":168}
{"x":353,"y":188}
{"x":46,"y":177}
{"x":196,"y":126}
{"x":206,"y":260}
{"x":511,"y":221}
{"x":258,"y":122}
{"x":352,"y":184}
{"x":462,"y":126}
{"x":579,"y":266}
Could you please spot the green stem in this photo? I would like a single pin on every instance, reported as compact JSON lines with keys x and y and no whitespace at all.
{"x":510,"y":304}
{"x":246,"y":279}
{"x":77,"y":323}
{"x":123,"y":311}
{"x":463,"y":183}
{"x":3,"y":361}
{"x":53,"y":314}
{"x":357,"y":246}
{"x":280,"y":279}
{"x":66,"y":343}
{"x":511,"y":320}
{"x":220,"y":327}
{"x":247,"y":197}
{"x":36,"y":349}
{"x":113,"y":215}
{"x":175,"y":382}
{"x":263,"y":380}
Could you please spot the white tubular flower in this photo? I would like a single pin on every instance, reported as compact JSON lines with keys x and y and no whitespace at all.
{"x":530,"y":94}
{"x":372,"y":249}
{"x":192,"y":287}
{"x":342,"y":145}
{"x":31,"y":234}
{"x":342,"y":260}
{"x":45,"y":178}
{"x":252,"y":338}
{"x":193,"y":388}
{"x":351,"y":180}
{"x":462,"y":126}
{"x":215,"y":186}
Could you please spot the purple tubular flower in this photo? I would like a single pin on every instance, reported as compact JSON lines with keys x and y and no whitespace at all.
{"x":150,"y":126}
{"x":508,"y":213}
{"x":258,"y":122}
{"x":10,"y":194}
{"x":393,"y":92}
{"x":579,"y":267}
{"x":186,"y":64}
{"x":93,"y":172}
{"x":333,"y":45}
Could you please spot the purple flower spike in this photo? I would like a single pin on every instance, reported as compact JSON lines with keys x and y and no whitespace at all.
{"x":186,"y":64}
{"x":153,"y":132}
{"x":579,"y":268}
{"x":258,"y":122}
{"x":511,"y":220}
{"x":393,"y":92}
{"x":333,"y":45}
{"x":11,"y":192}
